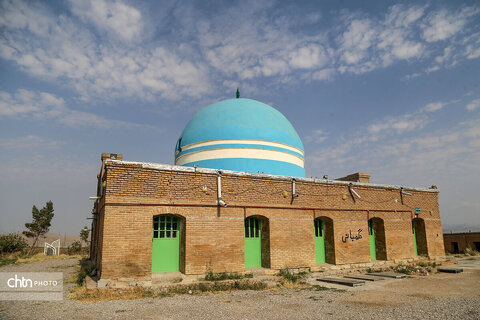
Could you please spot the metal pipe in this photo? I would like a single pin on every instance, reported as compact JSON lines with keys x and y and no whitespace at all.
{"x":219,"y":190}
{"x":404,"y":192}
{"x":353,"y":192}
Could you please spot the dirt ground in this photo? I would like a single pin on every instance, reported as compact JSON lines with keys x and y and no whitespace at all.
{"x":437,"y":296}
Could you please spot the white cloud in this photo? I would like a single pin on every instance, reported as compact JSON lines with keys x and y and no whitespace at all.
{"x":106,"y":49}
{"x":308,"y":57}
{"x":368,"y":43}
{"x":317,"y":136}
{"x":400,"y":17}
{"x":398,"y":125}
{"x":114,"y":17}
{"x":434,"y":106}
{"x":324,"y":74}
{"x":94,"y":66}
{"x":441,"y":25}
{"x":45,"y":106}
{"x":356,"y":40}
{"x":473,"y":105}
{"x":29,"y":142}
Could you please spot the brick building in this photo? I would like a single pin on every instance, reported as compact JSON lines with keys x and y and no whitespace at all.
{"x":459,"y":242}
{"x":250,"y":206}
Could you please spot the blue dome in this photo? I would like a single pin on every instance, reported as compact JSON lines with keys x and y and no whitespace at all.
{"x":241,"y":135}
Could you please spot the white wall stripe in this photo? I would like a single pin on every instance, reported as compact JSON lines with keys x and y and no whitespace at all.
{"x":225,"y":153}
{"x":242,"y":141}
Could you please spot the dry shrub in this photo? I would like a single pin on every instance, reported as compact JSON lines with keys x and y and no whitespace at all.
{"x":471,"y":252}
{"x":82,"y":294}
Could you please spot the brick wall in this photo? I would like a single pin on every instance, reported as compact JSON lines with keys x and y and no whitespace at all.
{"x":214,"y":236}
{"x":463,"y":240}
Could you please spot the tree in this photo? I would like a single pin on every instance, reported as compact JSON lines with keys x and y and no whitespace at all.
{"x":40,"y":224}
{"x":84,"y":233}
{"x":12,"y":242}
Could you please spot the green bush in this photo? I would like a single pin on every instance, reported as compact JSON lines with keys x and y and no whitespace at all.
{"x":422,"y":264}
{"x":405,"y":269}
{"x":12,"y":242}
{"x":75,"y":248}
{"x":6,"y":261}
{"x":80,"y":277}
{"x":222,"y":276}
{"x":291,"y":276}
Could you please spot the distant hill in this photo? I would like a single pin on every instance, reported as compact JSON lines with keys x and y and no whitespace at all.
{"x":448,"y":228}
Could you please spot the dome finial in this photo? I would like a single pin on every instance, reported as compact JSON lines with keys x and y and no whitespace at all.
{"x":238,"y":93}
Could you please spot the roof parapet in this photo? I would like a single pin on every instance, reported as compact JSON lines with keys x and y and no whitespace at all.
{"x":168,"y":167}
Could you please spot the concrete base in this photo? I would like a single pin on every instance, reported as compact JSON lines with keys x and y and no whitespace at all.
{"x":450,"y":270}
{"x":387,"y":275}
{"x":364,"y":277}
{"x":345,"y":282}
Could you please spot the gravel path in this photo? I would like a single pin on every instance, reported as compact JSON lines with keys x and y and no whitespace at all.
{"x":441,"y":296}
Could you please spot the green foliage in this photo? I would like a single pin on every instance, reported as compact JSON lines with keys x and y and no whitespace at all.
{"x":294,"y":277}
{"x":11,"y":243}
{"x":84,"y":233}
{"x":40,"y":224}
{"x":6,"y":261}
{"x":75,"y":248}
{"x":323,"y":288}
{"x":320,"y":288}
{"x":222,"y":276}
{"x":423,"y":264}
{"x":405,"y":269}
{"x":80,"y":293}
{"x":80,"y":277}
{"x":203,"y":287}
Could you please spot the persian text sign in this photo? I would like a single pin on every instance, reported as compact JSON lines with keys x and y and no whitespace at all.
{"x":31,"y":285}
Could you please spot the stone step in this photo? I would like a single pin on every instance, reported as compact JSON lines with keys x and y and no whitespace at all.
{"x":345,"y":282}
{"x":364,"y":277}
{"x":450,"y":270}
{"x":387,"y":275}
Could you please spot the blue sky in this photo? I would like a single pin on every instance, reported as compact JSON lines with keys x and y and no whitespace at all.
{"x":393,"y":90}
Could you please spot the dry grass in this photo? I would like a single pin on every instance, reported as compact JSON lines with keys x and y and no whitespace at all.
{"x":82,"y":294}
{"x":41,"y":257}
{"x":291,"y":279}
{"x":19,"y":257}
{"x":471,"y":252}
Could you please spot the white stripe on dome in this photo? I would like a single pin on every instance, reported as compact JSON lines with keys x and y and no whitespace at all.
{"x":261,"y":154}
{"x":242,"y":141}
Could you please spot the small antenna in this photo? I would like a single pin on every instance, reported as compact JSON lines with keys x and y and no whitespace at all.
{"x":238,"y":93}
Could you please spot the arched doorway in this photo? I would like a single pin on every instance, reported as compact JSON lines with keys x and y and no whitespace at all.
{"x":257,"y":242}
{"x":166,"y":243}
{"x":376,"y":237}
{"x":324,"y":240}
{"x":419,"y":237}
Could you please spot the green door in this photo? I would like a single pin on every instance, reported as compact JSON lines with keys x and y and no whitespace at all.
{"x":166,"y":244}
{"x":414,"y":238}
{"x":371,"y":237}
{"x":319,"y":241}
{"x":253,"y":243}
